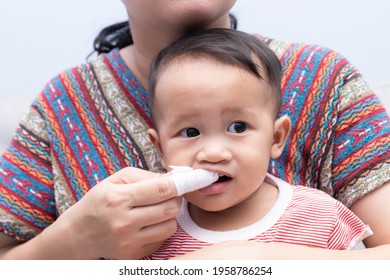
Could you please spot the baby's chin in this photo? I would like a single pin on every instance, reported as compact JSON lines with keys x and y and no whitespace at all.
{"x":209,"y":206}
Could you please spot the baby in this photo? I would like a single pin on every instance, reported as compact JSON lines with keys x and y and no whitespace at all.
{"x":215,"y":98}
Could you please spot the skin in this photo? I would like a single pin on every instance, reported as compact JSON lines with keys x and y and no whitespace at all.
{"x":242,"y":154}
{"x":155,"y":24}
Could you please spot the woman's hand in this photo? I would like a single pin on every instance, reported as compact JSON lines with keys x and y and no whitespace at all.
{"x":126,"y":216}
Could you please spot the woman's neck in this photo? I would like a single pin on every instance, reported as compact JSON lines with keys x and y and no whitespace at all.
{"x":137,"y":63}
{"x":148,"y":41}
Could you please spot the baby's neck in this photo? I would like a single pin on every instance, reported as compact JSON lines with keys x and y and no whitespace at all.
{"x":241,"y":215}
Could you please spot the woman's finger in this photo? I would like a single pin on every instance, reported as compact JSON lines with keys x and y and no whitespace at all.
{"x":130,"y":175}
{"x":158,"y":232}
{"x":156,"y":213}
{"x":149,"y":191}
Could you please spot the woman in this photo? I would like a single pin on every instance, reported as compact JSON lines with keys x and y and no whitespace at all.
{"x":89,"y":123}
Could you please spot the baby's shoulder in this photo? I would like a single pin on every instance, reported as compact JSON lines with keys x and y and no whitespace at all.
{"x":317,"y":200}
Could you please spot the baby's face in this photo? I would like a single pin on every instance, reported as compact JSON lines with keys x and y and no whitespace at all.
{"x":214,"y":116}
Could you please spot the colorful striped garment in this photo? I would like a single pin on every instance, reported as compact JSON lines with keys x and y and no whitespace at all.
{"x":91,"y":121}
{"x":300,"y":215}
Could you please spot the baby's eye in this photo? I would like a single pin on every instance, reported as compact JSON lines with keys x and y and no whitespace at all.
{"x":236,"y":127}
{"x":189,"y":132}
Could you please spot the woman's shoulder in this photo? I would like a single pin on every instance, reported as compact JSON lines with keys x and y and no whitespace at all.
{"x":288,"y":51}
{"x":107,"y":62}
{"x":280,"y":44}
{"x":81,"y":78}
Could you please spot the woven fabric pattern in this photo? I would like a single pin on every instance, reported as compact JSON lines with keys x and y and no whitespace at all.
{"x":91,"y":121}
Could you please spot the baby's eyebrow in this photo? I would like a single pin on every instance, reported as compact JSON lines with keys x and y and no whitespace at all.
{"x":181,"y":118}
{"x":235,"y":110}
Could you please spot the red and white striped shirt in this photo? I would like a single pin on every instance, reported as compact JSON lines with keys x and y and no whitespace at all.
{"x":300,"y":215}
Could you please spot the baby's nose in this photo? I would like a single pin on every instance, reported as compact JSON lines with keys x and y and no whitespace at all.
{"x":214,"y":152}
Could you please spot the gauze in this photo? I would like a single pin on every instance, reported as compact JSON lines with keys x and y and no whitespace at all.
{"x":187,"y":179}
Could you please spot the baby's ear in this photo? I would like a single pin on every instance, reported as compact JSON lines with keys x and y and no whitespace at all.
{"x":282,"y":128}
{"x":153,"y":137}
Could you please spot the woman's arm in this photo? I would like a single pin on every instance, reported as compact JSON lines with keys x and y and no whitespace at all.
{"x":52,"y":243}
{"x":374,"y":209}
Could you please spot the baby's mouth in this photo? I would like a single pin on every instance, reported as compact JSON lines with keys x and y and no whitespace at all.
{"x":223,"y":178}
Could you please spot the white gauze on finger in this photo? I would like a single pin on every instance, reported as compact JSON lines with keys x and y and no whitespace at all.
{"x":187,"y":179}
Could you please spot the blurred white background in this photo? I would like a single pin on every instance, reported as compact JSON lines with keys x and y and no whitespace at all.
{"x":40,"y":38}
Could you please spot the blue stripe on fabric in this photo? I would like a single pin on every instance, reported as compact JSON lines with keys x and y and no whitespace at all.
{"x":78,"y":130}
{"x":29,"y":191}
{"x":94,"y":123}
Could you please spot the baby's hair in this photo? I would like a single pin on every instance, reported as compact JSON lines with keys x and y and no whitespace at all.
{"x":227,"y":46}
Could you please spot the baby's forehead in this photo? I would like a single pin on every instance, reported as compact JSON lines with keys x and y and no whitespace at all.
{"x":203,"y":60}
{"x":191,"y":59}
{"x":195,"y":66}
